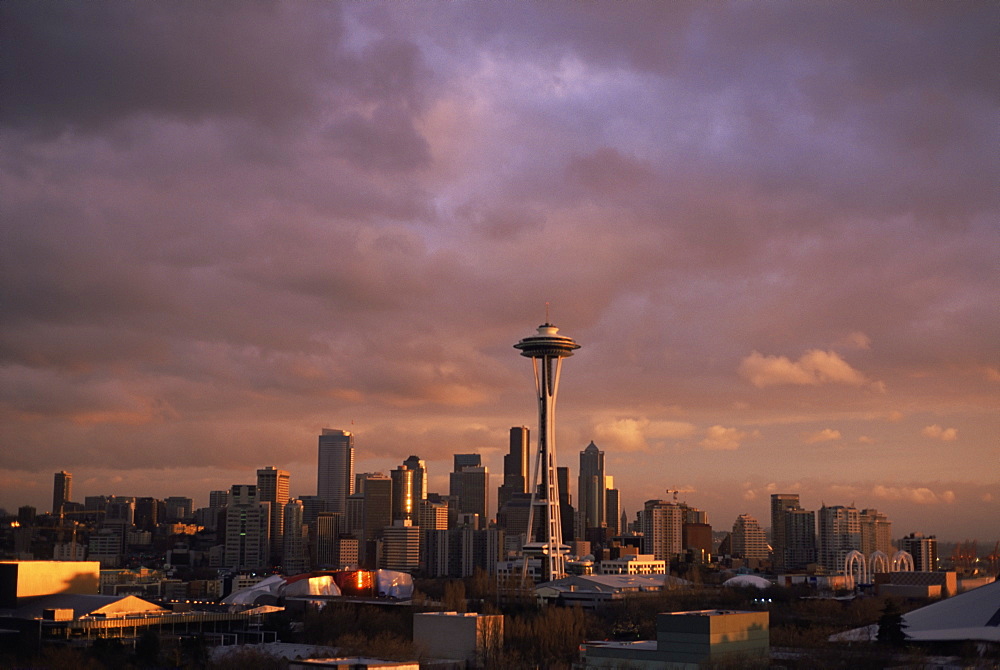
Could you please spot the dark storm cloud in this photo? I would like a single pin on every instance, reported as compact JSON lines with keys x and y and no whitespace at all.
{"x":86,"y":65}
{"x":227,"y":226}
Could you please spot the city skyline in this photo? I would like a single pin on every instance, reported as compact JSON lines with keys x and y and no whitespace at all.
{"x":774,"y":226}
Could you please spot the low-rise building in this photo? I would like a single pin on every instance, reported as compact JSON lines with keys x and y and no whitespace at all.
{"x":642,"y":564}
{"x":688,"y":640}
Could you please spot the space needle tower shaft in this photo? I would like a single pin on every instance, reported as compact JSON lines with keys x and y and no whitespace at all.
{"x":546,"y":351}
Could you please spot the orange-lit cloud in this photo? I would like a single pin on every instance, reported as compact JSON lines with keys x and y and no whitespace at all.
{"x":720,"y":438}
{"x":918,"y":495}
{"x":936,"y":432}
{"x":825,"y":435}
{"x":812,"y":368}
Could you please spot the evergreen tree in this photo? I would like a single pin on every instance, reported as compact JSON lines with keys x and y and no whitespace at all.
{"x":891,"y":627}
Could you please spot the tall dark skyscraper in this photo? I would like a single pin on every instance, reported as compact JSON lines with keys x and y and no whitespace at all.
{"x":404,"y":500}
{"x":515,"y":466}
{"x":546,"y":350}
{"x":590,"y":496}
{"x":469,"y":487}
{"x":419,"y":468}
{"x":272,"y":487}
{"x":335,"y":474}
{"x":467,"y":461}
{"x":62,"y":491}
{"x":780,"y":502}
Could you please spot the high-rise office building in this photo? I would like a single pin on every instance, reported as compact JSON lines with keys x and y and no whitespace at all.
{"x":591,"y":496}
{"x":401,"y":546}
{"x":218,"y":499}
{"x":335,"y":473}
{"x":295,"y":539}
{"x":469,"y":488}
{"x":248,"y":524}
{"x":62,"y":491}
{"x":147,"y":513}
{"x":419,"y":468}
{"x":178,"y":509}
{"x":376,"y":494}
{"x":748,"y":539}
{"x":404,"y":498}
{"x":779,"y":503}
{"x":923,"y":549}
{"x":800,"y":539}
{"x":876,"y":533}
{"x":515,"y":466}
{"x":662,"y":527}
{"x":839,"y":535}
{"x":612,"y":507}
{"x":566,"y":505}
{"x":466,"y":461}
{"x":326,"y":530}
{"x":272,"y":487}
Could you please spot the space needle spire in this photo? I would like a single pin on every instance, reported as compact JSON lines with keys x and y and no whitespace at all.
{"x":546,"y":351}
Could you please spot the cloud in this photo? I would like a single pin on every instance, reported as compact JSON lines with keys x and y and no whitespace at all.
{"x":625,"y":434}
{"x":915,"y":495}
{"x":856,"y":340}
{"x":825,"y":435}
{"x":720,"y":438}
{"x":813,"y":367}
{"x":631,"y":434}
{"x":936,"y":432}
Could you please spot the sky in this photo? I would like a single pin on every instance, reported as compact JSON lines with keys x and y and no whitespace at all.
{"x":773,"y":228}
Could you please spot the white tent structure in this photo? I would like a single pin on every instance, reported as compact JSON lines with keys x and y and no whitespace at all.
{"x":973,"y":615}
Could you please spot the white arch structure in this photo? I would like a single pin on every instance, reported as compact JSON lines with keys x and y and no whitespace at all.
{"x":861,"y":571}
{"x":902,"y":561}
{"x":854,"y":564}
{"x":878,"y":562}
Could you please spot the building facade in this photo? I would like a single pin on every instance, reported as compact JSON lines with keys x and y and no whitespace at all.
{"x":335,"y":472}
{"x":590,"y":489}
{"x":839,"y":535}
{"x":662,"y":525}
{"x":748,"y":539}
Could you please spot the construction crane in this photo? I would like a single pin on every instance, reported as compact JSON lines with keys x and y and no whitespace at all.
{"x":675,"y":492}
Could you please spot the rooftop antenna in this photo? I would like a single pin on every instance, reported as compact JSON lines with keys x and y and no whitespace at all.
{"x":547,"y":313}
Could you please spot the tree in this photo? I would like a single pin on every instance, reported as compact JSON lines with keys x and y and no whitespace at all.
{"x":891,"y":626}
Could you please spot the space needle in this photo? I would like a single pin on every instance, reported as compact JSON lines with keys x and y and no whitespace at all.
{"x":546,"y":350}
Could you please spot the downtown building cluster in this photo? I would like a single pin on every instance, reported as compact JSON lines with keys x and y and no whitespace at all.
{"x":393,"y":521}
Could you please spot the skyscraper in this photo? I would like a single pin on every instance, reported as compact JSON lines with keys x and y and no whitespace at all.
{"x":779,"y":503}
{"x":62,"y":491}
{"x":839,"y":534}
{"x":272,"y":487}
{"x":248,"y":524}
{"x":295,"y":539}
{"x":376,"y":514}
{"x":335,"y":474}
{"x":469,"y":486}
{"x":748,"y":540}
{"x":876,"y":533}
{"x":800,"y":538}
{"x":591,"y":496}
{"x":923,"y":549}
{"x":419,"y":468}
{"x":515,"y":466}
{"x":662,"y":529}
{"x":404,"y":500}
{"x":612,"y":507}
{"x":546,"y":350}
